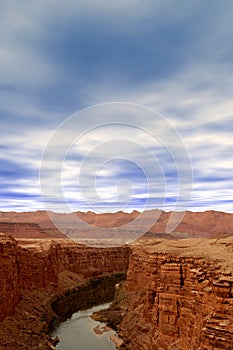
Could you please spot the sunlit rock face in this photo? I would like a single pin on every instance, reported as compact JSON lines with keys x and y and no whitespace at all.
{"x":179,"y":295}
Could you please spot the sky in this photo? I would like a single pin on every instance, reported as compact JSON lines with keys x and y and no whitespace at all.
{"x":159,"y":68}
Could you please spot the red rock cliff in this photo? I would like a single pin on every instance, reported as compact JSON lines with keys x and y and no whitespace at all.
{"x":49,"y":264}
{"x":179,"y":296}
{"x":9,"y":276}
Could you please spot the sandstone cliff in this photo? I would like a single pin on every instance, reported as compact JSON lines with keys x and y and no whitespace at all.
{"x":179,"y":296}
{"x":44,"y":263}
{"x":33,"y":273}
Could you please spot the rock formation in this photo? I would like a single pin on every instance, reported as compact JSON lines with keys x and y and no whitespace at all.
{"x":34,"y":274}
{"x":179,"y":296}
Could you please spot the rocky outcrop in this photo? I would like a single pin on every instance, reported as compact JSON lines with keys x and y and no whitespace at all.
{"x":179,"y":295}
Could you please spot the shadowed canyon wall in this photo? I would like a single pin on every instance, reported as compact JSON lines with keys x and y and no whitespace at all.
{"x":54,"y":265}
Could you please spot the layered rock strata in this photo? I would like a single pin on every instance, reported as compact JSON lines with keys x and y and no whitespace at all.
{"x":179,"y":295}
{"x":30,"y":230}
{"x":32,"y":276}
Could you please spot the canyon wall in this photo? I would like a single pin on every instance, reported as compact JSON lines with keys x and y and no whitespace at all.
{"x":179,"y":296}
{"x":9,"y":276}
{"x":51,"y":265}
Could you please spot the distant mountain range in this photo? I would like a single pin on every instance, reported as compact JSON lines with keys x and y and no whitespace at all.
{"x":212,"y":224}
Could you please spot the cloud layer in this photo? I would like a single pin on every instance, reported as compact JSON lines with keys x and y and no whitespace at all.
{"x":59,"y":57}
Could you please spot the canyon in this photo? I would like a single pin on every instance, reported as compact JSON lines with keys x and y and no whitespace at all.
{"x":178,"y":293}
{"x":34,"y":276}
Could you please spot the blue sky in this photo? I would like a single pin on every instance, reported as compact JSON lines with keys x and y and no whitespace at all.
{"x":58,"y":57}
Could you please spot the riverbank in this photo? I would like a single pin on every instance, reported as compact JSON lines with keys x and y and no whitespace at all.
{"x":82,"y":332}
{"x":40,"y":311}
{"x":113,"y":315}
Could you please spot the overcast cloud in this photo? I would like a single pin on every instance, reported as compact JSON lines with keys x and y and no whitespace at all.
{"x":58,"y":57}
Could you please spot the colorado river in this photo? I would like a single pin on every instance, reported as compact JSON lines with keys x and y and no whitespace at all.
{"x":77,"y":333}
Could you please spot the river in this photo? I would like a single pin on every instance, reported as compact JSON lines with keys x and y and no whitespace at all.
{"x":77,"y":332}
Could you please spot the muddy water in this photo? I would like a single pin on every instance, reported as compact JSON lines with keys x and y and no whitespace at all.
{"x":73,"y":324}
{"x":77,"y":333}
